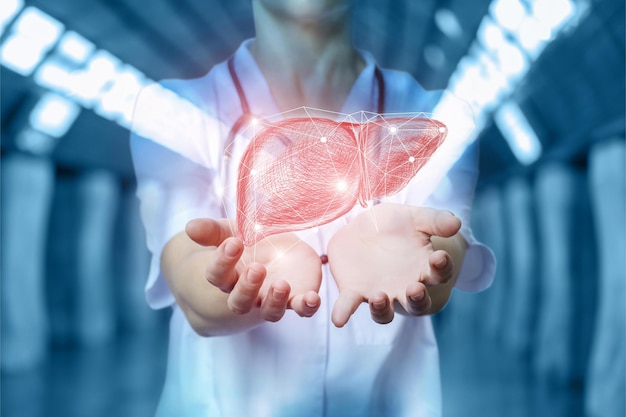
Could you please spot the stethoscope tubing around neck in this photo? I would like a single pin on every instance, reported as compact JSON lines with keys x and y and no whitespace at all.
{"x":246,"y":115}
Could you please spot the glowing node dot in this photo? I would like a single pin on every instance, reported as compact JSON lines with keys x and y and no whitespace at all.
{"x":254,"y":122}
{"x":411,"y":159}
{"x":393,"y":129}
{"x":323,"y":139}
{"x":342,"y":185}
{"x":442,"y":129}
{"x":253,"y":172}
{"x":257,"y":227}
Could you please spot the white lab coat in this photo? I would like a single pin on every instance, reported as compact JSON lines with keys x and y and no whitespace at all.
{"x":297,"y":367}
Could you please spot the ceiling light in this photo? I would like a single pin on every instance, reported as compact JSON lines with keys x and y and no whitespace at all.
{"x":518,"y":133}
{"x":87,"y":85}
{"x":53,"y":74}
{"x":75,"y":47}
{"x":533,"y":35}
{"x":490,"y":35}
{"x":434,"y":56}
{"x":53,"y":115}
{"x":32,"y":35}
{"x":117,"y":101}
{"x":8,"y":9}
{"x":553,"y":14}
{"x":19,"y":54}
{"x":447,"y":23}
{"x":508,"y":13}
{"x":511,"y":60}
{"x":33,"y":141}
{"x":42,"y":29}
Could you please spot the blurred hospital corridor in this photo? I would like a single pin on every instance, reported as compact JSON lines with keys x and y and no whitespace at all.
{"x":545,"y":79}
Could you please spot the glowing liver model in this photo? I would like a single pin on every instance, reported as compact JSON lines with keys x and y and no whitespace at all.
{"x":305,"y":172}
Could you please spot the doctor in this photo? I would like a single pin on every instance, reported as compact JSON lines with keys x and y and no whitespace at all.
{"x":239,"y":345}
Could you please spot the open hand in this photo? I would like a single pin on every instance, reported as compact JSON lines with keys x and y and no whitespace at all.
{"x":385,"y":255}
{"x":278,"y":273}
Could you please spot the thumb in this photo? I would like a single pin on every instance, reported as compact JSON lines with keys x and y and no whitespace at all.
{"x":209,"y":232}
{"x":435,"y":222}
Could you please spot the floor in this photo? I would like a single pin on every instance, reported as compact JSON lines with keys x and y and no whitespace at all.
{"x":481,"y":379}
{"x":124,"y":378}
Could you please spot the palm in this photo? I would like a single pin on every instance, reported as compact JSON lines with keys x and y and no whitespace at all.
{"x":286,"y":258}
{"x":381,"y":250}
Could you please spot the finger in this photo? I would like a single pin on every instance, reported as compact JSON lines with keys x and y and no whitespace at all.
{"x":245,"y":294}
{"x":305,"y":304}
{"x":435,"y":222}
{"x":381,"y":308}
{"x":418,"y":301}
{"x":440,"y":268}
{"x":209,"y":232}
{"x":221,"y":268}
{"x":275,"y":302}
{"x":345,"y":306}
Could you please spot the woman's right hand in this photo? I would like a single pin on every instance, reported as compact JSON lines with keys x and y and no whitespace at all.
{"x":280,"y":272}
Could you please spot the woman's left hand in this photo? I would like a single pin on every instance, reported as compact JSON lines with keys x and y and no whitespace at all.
{"x":385,"y":256}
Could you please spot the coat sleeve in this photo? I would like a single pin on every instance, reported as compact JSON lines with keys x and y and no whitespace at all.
{"x":174,"y":146}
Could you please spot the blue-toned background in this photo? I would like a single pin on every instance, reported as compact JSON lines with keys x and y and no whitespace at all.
{"x":546,"y":80}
